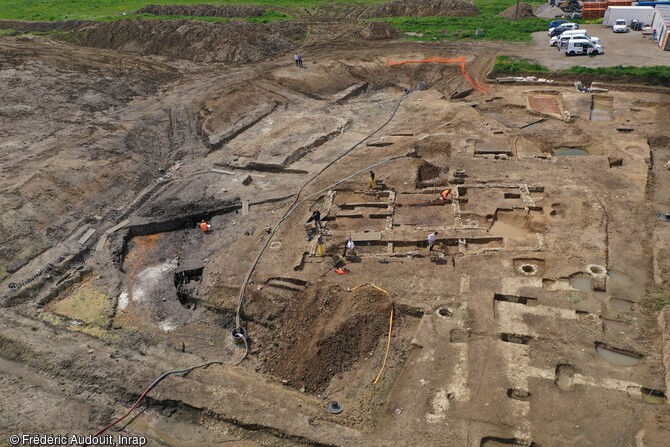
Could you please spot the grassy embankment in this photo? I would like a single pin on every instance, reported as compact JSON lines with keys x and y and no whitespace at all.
{"x":494,"y":26}
{"x":656,"y":75}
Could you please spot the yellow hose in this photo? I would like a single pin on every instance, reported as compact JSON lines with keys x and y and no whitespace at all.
{"x":388,"y":343}
{"x":388,"y":346}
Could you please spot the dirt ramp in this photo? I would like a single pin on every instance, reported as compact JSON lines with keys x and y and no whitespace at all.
{"x":324,"y":332}
{"x":379,"y":31}
{"x":425,"y":8}
{"x":233,"y":42}
{"x":203,"y":10}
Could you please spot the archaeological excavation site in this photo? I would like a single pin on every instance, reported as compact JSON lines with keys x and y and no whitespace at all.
{"x":203,"y":243}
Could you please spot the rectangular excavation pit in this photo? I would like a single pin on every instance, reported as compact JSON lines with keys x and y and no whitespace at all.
{"x":287,"y":283}
{"x":550,"y":104}
{"x":425,"y":210}
{"x":526,"y":300}
{"x":494,"y":146}
{"x":446,"y":246}
{"x":492,"y":441}
{"x":602,"y":108}
{"x":515,"y":338}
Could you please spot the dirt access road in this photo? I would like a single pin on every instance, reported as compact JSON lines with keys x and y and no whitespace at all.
{"x":531,"y":324}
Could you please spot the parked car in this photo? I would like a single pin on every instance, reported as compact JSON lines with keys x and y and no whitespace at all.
{"x":564,"y":27}
{"x":620,"y":26}
{"x":573,"y":32}
{"x":564,"y":40}
{"x":555,"y":23}
{"x":582,"y":46}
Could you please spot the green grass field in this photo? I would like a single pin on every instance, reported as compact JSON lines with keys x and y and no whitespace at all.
{"x":49,"y":10}
{"x":656,"y":75}
{"x":494,"y":26}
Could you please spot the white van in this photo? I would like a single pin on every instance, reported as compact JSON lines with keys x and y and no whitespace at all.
{"x":580,"y":45}
{"x":562,"y":42}
{"x":573,"y":32}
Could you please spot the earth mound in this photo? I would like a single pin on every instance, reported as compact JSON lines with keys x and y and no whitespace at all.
{"x":203,"y":10}
{"x":425,"y":8}
{"x":525,"y":11}
{"x":323,"y":332}
{"x":233,"y":42}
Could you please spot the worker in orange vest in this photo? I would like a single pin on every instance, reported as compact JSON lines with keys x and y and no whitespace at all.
{"x":205,"y":227}
{"x":446,"y":193}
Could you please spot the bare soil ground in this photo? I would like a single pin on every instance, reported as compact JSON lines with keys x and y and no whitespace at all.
{"x":533,"y":322}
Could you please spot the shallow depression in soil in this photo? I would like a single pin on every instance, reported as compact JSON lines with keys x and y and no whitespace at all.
{"x":505,"y":229}
{"x":570,"y":152}
{"x":582,"y":284}
{"x":617,"y":358}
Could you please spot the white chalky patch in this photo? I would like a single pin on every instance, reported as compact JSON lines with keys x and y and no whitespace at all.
{"x":124,"y":299}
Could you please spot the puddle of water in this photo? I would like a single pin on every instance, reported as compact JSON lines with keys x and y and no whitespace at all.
{"x":602,"y":109}
{"x":617,"y":358}
{"x":504,"y":229}
{"x":582,"y":284}
{"x":655,"y":398}
{"x":175,"y":434}
{"x":624,"y":305}
{"x":570,"y":152}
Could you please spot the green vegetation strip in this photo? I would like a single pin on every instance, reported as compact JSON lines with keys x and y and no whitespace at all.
{"x":656,"y":75}
{"x":51,"y":10}
{"x":457,"y":28}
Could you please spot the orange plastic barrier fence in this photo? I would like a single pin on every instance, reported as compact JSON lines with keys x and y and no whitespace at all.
{"x":441,"y":60}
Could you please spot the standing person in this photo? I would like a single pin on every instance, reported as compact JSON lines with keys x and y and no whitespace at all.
{"x":319,"y":246}
{"x":316,"y":217}
{"x":431,"y":241}
{"x":349,"y":247}
{"x":296,"y":58}
{"x":372,"y":180}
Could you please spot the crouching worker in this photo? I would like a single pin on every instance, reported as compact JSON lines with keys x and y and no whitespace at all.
{"x":445,"y":195}
{"x":205,"y":227}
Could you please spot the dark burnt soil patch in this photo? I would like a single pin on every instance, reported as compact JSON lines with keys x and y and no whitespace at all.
{"x":203,"y":10}
{"x":427,"y":171}
{"x":233,"y":42}
{"x":325,"y":331}
{"x":425,"y":8}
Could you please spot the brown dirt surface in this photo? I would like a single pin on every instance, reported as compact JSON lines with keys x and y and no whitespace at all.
{"x":140,"y":139}
{"x":525,"y":11}
{"x":379,"y":31}
{"x":203,"y":10}
{"x":335,"y":330}
{"x":193,"y":40}
{"x":425,"y":8}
